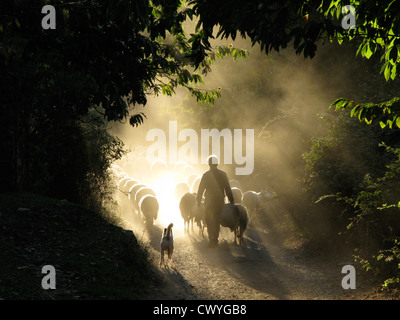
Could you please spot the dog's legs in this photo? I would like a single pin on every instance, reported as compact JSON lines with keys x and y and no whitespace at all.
{"x":162,"y":257}
{"x":170,"y":251}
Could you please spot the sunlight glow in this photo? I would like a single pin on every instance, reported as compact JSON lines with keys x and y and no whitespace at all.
{"x":169,"y":211}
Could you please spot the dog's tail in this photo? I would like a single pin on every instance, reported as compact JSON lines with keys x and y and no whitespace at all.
{"x":169,"y":229}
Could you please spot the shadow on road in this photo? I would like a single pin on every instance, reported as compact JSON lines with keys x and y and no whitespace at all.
{"x":174,"y":284}
{"x":250,"y":263}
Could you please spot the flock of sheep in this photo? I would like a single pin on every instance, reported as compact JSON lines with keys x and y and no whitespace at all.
{"x":142,"y":200}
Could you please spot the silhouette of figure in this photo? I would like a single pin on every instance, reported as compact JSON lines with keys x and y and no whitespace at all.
{"x":215,"y":183}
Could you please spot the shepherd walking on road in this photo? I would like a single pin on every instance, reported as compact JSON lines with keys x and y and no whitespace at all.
{"x":216,"y":185}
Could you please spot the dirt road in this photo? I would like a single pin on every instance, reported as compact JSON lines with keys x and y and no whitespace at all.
{"x":260,"y":269}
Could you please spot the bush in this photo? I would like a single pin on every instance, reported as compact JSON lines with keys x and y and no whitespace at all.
{"x":377,"y":222}
{"x":70,"y":160}
{"x":355,"y":179}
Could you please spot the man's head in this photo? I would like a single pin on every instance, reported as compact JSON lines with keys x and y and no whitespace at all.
{"x":212,"y":161}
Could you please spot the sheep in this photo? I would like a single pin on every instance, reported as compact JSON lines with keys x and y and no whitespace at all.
{"x":191,"y":179}
{"x":195,"y":184}
{"x":188,"y":170}
{"x":178,"y":177}
{"x":113,"y":172}
{"x":116,"y":167}
{"x":122,"y":182}
{"x":255,"y":202}
{"x":128,"y":184}
{"x":235,"y":217}
{"x":132,"y":191}
{"x":149,"y":207}
{"x":199,"y":215}
{"x":142,"y":168}
{"x":122,"y":174}
{"x":179,"y":166}
{"x":158,"y":168}
{"x":123,"y":196}
{"x":252,"y":201}
{"x":181,"y":189}
{"x":144,"y":191}
{"x":186,"y":204}
{"x":235,"y":184}
{"x":237,"y":195}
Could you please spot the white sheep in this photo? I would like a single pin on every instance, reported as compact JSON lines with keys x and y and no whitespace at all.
{"x":113,"y":172}
{"x":122,"y":195}
{"x":255,"y":201}
{"x":131,"y":195}
{"x":181,"y":189}
{"x":159,"y":168}
{"x":186,"y":205}
{"x":191,"y":179}
{"x":142,"y":168}
{"x":178,"y":177}
{"x":252,"y":201}
{"x":188,"y":170}
{"x":235,"y":217}
{"x":199,"y":215}
{"x":128,"y":184}
{"x":234,"y":183}
{"x":237,"y":195}
{"x":116,"y":167}
{"x":149,"y":207}
{"x":179,"y":166}
{"x":122,"y":181}
{"x":143,"y":191}
{"x":195,"y":185}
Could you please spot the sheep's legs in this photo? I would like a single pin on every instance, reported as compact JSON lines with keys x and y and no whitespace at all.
{"x":186,"y":226}
{"x":201,"y":230}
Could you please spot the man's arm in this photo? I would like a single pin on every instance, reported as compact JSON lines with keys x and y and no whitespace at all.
{"x":228,"y":189}
{"x":200,"y":192}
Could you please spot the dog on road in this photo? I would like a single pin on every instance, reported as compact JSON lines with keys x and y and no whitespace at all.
{"x":167,"y":244}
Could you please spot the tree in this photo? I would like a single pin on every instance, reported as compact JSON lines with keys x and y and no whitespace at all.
{"x":109,"y":55}
{"x":276,"y":24}
{"x":103,"y":55}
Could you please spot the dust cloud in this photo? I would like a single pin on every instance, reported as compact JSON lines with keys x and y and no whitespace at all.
{"x":282,"y":97}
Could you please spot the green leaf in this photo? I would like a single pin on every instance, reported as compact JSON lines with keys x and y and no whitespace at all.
{"x":398,"y":122}
{"x":360,"y":47}
{"x":368,"y":53}
{"x":353,"y":111}
{"x":387,"y":72}
{"x":393,"y":73}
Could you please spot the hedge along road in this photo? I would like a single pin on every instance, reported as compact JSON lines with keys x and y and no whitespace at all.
{"x":263,"y":268}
